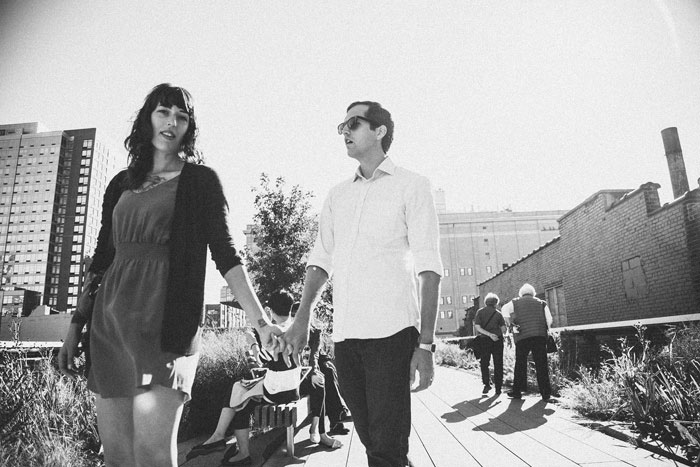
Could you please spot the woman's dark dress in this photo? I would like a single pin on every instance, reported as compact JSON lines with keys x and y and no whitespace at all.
{"x":125,"y":341}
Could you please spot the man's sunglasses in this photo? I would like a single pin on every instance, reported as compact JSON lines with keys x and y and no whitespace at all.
{"x":352,"y":123}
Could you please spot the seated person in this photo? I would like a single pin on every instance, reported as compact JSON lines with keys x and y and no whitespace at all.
{"x":248,"y":393}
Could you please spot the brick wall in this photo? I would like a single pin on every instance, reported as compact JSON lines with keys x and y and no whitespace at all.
{"x":620,"y":256}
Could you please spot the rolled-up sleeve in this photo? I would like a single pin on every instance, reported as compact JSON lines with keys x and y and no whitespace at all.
{"x":322,"y":252}
{"x":423,"y":230}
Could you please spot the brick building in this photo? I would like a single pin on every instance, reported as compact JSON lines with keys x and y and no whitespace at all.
{"x":621,"y":258}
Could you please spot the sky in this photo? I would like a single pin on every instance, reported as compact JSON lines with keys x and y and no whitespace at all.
{"x":502,"y":104}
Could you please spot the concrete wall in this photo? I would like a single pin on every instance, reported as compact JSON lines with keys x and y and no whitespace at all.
{"x":49,"y":328}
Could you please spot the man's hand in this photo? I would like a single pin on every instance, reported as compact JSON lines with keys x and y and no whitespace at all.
{"x":494,"y":337}
{"x":294,"y":340}
{"x":69,"y":351}
{"x":422,"y":361}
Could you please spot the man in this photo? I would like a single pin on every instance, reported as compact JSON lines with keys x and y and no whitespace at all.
{"x":529,"y":318}
{"x":489,"y":323}
{"x":378,"y":231}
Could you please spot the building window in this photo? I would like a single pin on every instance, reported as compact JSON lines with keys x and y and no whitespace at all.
{"x":462,"y":271}
{"x":488,"y":269}
{"x":448,"y":300}
{"x":442,"y":300}
{"x":465,"y":299}
{"x":470,"y":271}
{"x":447,"y":272}
{"x":442,"y":315}
{"x":450,"y":314}
{"x":634,"y":279}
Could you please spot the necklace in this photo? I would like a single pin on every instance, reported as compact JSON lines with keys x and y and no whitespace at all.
{"x":151,"y":182}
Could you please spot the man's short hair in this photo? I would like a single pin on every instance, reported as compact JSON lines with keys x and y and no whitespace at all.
{"x":527,"y":289}
{"x":280,"y":303}
{"x":380,"y":116}
{"x":491,"y":299}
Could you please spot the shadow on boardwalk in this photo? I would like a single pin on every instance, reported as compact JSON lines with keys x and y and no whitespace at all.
{"x":454,"y":426}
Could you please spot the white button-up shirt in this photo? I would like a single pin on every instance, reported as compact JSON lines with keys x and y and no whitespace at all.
{"x":375,"y":236}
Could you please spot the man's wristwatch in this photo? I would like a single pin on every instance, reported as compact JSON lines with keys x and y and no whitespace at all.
{"x":428,"y":347}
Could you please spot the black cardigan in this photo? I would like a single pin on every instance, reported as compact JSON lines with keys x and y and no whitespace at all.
{"x":199,"y":219}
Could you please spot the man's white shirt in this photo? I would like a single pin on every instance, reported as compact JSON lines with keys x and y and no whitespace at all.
{"x":375,"y":236}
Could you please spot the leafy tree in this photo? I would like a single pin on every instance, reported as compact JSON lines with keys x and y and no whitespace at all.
{"x":284,"y":233}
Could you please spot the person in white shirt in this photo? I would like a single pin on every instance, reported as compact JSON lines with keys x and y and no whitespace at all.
{"x":379,"y":240}
{"x":530,"y":319}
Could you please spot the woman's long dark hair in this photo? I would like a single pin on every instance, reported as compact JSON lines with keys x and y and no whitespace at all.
{"x":138,"y":143}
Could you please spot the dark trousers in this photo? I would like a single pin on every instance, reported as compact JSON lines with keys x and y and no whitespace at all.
{"x":495,"y":350}
{"x":374,"y":381}
{"x":538,"y":346}
{"x":335,"y":405}
{"x":317,"y":401}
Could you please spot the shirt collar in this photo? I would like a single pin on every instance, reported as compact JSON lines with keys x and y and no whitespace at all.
{"x":387,"y":166}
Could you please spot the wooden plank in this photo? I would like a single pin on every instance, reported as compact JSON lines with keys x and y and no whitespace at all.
{"x":417,"y":451}
{"x":481,"y":445}
{"x":559,"y":422}
{"x":443,"y":448}
{"x":484,"y":413}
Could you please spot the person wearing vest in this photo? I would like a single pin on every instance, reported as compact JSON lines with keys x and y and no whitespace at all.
{"x":489,"y":323}
{"x":529,"y":318}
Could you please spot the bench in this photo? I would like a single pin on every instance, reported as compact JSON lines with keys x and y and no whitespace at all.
{"x":281,"y":415}
{"x":278,"y":415}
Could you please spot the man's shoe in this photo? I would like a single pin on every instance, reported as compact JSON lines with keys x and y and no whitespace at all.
{"x":514,"y":395}
{"x":345,"y":416}
{"x":238,"y":463}
{"x":549,"y":399}
{"x":202,"y":449}
{"x":498,"y":391}
{"x":231,"y":452}
{"x":486,"y":389}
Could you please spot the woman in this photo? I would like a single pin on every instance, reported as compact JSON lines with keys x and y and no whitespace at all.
{"x":488,"y":322}
{"x":158,"y":217}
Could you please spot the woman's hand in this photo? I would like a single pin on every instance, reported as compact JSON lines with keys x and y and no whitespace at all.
{"x":69,"y":351}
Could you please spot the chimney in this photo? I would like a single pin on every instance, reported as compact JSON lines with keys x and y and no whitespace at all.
{"x":674,"y":157}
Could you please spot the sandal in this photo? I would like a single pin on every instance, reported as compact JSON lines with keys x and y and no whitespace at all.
{"x":336,"y":444}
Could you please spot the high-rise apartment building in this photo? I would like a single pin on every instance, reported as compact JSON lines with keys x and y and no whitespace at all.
{"x":51,"y":189}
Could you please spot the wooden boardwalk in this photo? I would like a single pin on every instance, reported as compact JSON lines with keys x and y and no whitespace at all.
{"x":454,"y":426}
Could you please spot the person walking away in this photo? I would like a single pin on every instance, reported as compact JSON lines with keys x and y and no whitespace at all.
{"x":489,"y":323}
{"x":529,"y":318}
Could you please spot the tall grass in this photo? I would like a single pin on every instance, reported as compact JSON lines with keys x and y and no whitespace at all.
{"x":45,"y":419}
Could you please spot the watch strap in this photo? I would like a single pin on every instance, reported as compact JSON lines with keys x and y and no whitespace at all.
{"x":428,"y":347}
